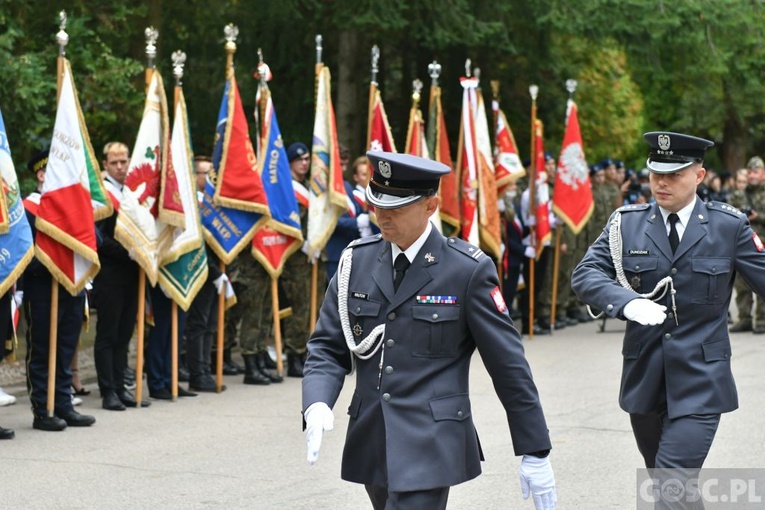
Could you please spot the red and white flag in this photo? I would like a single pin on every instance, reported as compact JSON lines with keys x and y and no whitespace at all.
{"x":488,"y":211}
{"x":416,"y":145}
{"x":467,"y":163}
{"x":543,"y":232}
{"x":573,"y":193}
{"x":507,"y":163}
{"x":438,"y":141}
{"x":379,"y":137}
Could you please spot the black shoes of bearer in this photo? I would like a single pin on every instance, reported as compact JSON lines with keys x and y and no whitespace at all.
{"x":128,"y":400}
{"x":49,"y":423}
{"x":75,"y":419}
{"x":205,"y":383}
{"x":185,"y":393}
{"x":111,"y":402}
{"x":295,"y":365}
{"x":6,"y":433}
{"x":161,"y":394}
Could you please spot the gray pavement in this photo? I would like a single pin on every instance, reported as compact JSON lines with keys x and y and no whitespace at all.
{"x":244,"y":448}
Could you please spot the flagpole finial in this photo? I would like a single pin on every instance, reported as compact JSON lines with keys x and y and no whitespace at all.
{"x":467,"y":67}
{"x":533,"y":90}
{"x":263,"y":73}
{"x":62,"y":38}
{"x":571,"y":87}
{"x":416,"y":90}
{"x":495,"y":88}
{"x":477,"y":73}
{"x":319,"y":48}
{"x":375,"y":59}
{"x":434,"y":71}
{"x":179,"y":60}
{"x":231,"y":32}
{"x":151,"y":35}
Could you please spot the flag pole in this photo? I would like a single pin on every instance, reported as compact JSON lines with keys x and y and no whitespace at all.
{"x":62,"y":38}
{"x":151,"y":34}
{"x":372,"y":93}
{"x":315,"y":265}
{"x":277,"y":325}
{"x":533,"y":91}
{"x":571,"y":87}
{"x":495,"y":111}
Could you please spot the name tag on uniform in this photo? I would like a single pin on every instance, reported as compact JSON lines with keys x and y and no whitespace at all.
{"x":639,"y":252}
{"x":360,"y":295}
{"x":437,"y":300}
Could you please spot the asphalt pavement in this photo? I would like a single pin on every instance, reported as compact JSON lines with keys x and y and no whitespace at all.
{"x":244,"y":448}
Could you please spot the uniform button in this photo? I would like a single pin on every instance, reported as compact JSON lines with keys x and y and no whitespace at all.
{"x":667,"y":336}
{"x":392,"y":316}
{"x":451,"y":241}
{"x":460,"y":414}
{"x":714,"y":269}
{"x":358,"y":309}
{"x":637,"y":267}
{"x":386,"y":397}
{"x":435,"y":316}
{"x":389,"y":370}
{"x":670,"y":315}
{"x":390,"y":343}
{"x":674,"y":270}
{"x":725,"y":355}
{"x":610,"y":307}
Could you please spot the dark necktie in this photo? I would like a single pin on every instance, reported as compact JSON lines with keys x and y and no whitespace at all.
{"x":674,"y":239}
{"x":400,"y":265}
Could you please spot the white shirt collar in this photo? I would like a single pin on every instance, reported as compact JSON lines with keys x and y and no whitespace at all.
{"x":684,"y":214}
{"x":412,"y":251}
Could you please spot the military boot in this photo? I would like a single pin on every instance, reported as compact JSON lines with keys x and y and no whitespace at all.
{"x":273,"y":375}
{"x":251,"y":373}
{"x":741,"y":326}
{"x":295,"y":365}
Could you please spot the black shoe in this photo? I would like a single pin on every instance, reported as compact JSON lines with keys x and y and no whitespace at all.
{"x":183,"y":374}
{"x":260,"y":363}
{"x":204,"y":383}
{"x":230,"y":369}
{"x":543,"y":323}
{"x":741,"y":326}
{"x":112,"y":402}
{"x":758,"y":330}
{"x":561,"y":322}
{"x":185,"y":393}
{"x":6,"y":433}
{"x":161,"y":394}
{"x":53,"y":423}
{"x":128,"y":400}
{"x":251,"y":373}
{"x":294,"y":365}
{"x":268,"y":362}
{"x":75,"y":419}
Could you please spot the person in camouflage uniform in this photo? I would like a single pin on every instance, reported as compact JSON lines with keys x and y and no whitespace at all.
{"x":752,"y":202}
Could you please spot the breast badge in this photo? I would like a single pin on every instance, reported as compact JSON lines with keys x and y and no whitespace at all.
{"x":357,"y":330}
{"x":635,"y":282}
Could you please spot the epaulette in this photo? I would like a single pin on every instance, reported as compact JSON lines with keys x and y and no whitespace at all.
{"x":633,"y":207}
{"x":466,"y":248}
{"x":365,"y":240}
{"x":722,"y":206}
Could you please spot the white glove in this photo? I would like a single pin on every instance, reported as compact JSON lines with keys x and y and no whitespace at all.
{"x":645,"y":311}
{"x":365,"y":231}
{"x":362,"y":221}
{"x":318,"y":418}
{"x":18,"y":297}
{"x":537,"y":478}
{"x":531,"y":221}
{"x":223,"y":283}
{"x":304,"y":248}
{"x":502,"y":249}
{"x":501,"y":205}
{"x":553,"y":220}
{"x":312,"y":257}
{"x":530,"y":252}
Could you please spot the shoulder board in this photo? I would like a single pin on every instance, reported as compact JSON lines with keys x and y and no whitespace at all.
{"x":465,"y":248}
{"x":727,"y":208}
{"x":633,"y":207}
{"x":365,"y":240}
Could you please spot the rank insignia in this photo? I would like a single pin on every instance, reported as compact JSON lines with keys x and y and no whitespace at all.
{"x":635,"y":282}
{"x":437,"y":300}
{"x":357,"y":329}
{"x":757,"y":243}
{"x":429,"y":257}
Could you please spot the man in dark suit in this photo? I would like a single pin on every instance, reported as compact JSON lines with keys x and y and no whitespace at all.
{"x":410,"y":328}
{"x":676,"y":378}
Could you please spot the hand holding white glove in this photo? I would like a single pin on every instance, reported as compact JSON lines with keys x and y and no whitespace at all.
{"x":222,"y":283}
{"x":531,"y":221}
{"x":501,"y":205}
{"x":18,"y":297}
{"x":365,"y":231}
{"x":645,"y":312}
{"x":537,"y":479}
{"x":362,"y":221}
{"x":530,"y":252}
{"x":318,"y":418}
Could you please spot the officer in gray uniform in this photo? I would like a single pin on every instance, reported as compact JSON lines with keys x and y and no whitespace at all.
{"x":409,"y":329}
{"x":668,"y":269}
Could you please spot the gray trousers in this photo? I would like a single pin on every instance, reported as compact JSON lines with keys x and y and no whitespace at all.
{"x":434,"y":499}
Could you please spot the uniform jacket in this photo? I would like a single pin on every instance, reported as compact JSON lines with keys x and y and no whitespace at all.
{"x":411,"y":426}
{"x":685,"y":367}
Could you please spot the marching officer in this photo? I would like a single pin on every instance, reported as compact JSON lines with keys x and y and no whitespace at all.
{"x":672,"y":281}
{"x":406,"y":310}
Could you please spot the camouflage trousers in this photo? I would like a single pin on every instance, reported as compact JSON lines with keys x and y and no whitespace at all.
{"x":251,"y":319}
{"x":745,"y":298}
{"x":296,"y":282}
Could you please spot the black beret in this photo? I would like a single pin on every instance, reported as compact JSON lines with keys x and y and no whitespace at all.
{"x":296,"y":150}
{"x":39,"y":161}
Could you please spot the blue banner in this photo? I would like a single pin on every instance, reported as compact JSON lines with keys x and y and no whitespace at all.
{"x":16,"y":246}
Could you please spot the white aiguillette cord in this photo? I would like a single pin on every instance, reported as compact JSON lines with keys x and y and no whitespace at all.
{"x":615,"y":247}
{"x":360,"y":350}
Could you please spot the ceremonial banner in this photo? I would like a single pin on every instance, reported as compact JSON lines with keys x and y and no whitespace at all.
{"x":73,"y":197}
{"x":16,"y":249}
{"x":417,"y":145}
{"x":467,"y":161}
{"x":438,"y":142}
{"x":238,"y":184}
{"x":273,"y":245}
{"x":542,"y":203}
{"x":183,"y":268}
{"x":488,"y":212}
{"x":137,"y":228}
{"x":379,"y":137}
{"x":573,"y":193}
{"x":507,"y":163}
{"x":328,"y":199}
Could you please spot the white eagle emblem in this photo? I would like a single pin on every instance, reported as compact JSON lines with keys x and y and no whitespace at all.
{"x":384,"y":168}
{"x":572,"y":166}
{"x":663,"y":142}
